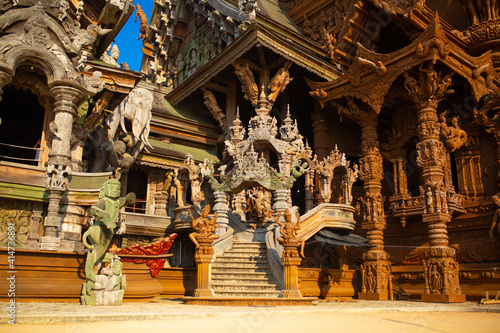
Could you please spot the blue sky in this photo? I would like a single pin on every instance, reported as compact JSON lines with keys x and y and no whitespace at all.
{"x":129,"y":46}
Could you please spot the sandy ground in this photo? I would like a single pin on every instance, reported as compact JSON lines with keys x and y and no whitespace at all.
{"x":288,"y":323}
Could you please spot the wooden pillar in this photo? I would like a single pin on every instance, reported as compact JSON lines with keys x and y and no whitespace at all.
{"x":440,"y":268}
{"x":375,"y":269}
{"x":321,"y":136}
{"x":398,"y":159}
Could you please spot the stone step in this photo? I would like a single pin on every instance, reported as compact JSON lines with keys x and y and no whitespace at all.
{"x":255,"y":287}
{"x":242,"y":260}
{"x":246,"y":251}
{"x":243,"y":282}
{"x":233,"y":255}
{"x":238,"y":245}
{"x":244,"y":277}
{"x":251,"y":266}
{"x":246,"y":293}
{"x":232,"y":271}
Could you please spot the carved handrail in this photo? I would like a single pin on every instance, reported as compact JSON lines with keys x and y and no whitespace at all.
{"x":224,"y":242}
{"x":326,"y":215}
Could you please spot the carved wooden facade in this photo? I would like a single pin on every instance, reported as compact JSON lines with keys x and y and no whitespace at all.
{"x":409,"y":96}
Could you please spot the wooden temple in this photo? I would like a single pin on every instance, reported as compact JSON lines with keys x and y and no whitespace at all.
{"x":280,"y":151}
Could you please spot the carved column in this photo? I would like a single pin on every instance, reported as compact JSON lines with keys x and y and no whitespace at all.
{"x":239,"y":201}
{"x":59,"y":164}
{"x":398,"y":159}
{"x":309,"y":188}
{"x":440,"y":267}
{"x":321,"y":136}
{"x":375,"y":269}
{"x":161,"y":197}
{"x":280,"y":200}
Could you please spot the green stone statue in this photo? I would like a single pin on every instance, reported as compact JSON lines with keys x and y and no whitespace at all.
{"x":98,"y":239}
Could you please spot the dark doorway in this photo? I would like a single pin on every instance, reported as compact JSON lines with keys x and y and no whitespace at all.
{"x":21,"y":127}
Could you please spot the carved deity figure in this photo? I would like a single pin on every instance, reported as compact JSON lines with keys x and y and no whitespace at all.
{"x":171,"y":80}
{"x":429,"y":201}
{"x":435,"y":279}
{"x":444,"y":200}
{"x":181,"y":66}
{"x":193,"y":60}
{"x":496,"y":217}
{"x":330,"y":43}
{"x":98,"y":237}
{"x":289,"y":231}
{"x":204,"y":228}
{"x":371,"y":279}
{"x":279,"y":82}
{"x":248,"y":85}
{"x":256,"y":205}
{"x":455,"y":136}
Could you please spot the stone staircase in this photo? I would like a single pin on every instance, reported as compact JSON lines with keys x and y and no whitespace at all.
{"x":243,"y":271}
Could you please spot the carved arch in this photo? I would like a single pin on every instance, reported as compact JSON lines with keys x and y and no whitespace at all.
{"x":53,"y":69}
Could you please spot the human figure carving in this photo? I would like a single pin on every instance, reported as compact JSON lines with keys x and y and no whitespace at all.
{"x":204,"y":228}
{"x":193,"y":62}
{"x":435,"y":279}
{"x":279,"y":82}
{"x":496,"y":216}
{"x":455,"y":136}
{"x":289,"y":231}
{"x":248,"y":85}
{"x":429,"y":201}
{"x":98,"y":237}
{"x":431,"y":79}
{"x":370,"y":279}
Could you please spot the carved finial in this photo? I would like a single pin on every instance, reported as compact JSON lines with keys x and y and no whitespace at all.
{"x":237,"y":131}
{"x":263,"y":105}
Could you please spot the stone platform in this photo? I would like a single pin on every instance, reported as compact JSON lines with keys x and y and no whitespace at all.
{"x":43,"y":313}
{"x":249,"y":301}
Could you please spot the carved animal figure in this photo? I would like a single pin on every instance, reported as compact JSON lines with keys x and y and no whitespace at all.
{"x":137,"y":109}
{"x":143,"y":29}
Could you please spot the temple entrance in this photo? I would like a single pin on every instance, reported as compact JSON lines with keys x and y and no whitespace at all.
{"x":20,"y":109}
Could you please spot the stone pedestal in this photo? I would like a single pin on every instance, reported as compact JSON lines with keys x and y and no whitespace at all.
{"x":442,"y":298}
{"x":109,"y":285}
{"x":204,"y":272}
{"x":375,"y":276}
{"x":291,"y":276}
